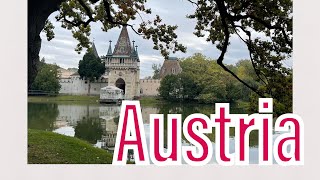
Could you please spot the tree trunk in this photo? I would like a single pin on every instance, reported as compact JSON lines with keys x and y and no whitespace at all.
{"x":38,"y":13}
{"x":89,"y":87}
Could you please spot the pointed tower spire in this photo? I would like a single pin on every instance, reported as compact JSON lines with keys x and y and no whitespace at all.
{"x":94,"y":50}
{"x":109,"y":50}
{"x":123,"y":46}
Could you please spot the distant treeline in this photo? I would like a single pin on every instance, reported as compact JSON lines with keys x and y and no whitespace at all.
{"x":204,"y":81}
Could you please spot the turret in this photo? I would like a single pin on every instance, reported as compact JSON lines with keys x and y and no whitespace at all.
{"x":110,"y":49}
{"x":136,"y":53}
{"x":94,"y":50}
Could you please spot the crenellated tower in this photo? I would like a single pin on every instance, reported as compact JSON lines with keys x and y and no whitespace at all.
{"x":123,"y":65}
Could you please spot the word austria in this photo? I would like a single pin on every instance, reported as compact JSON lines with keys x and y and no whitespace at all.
{"x":286,"y":149}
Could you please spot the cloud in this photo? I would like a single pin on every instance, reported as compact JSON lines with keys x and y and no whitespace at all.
{"x":146,"y":62}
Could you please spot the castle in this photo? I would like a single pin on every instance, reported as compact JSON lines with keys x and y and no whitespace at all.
{"x":122,"y":70}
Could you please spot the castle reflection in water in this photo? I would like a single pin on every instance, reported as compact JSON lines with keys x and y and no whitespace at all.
{"x":107,"y":116}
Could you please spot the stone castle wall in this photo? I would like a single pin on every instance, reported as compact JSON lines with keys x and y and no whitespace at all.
{"x":149,"y":87}
{"x":144,"y":87}
{"x":76,"y":86}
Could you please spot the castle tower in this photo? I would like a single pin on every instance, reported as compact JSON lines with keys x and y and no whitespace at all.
{"x":94,"y":49}
{"x":170,"y":66}
{"x":123,"y":65}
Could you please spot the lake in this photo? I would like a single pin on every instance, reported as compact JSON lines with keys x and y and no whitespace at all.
{"x":97,"y":124}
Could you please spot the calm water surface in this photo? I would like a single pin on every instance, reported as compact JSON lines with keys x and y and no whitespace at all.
{"x":97,"y":124}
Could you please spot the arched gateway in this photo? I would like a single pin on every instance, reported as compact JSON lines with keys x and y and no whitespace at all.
{"x":121,"y":84}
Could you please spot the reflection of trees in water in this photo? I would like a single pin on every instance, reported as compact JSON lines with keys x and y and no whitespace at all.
{"x":89,"y":129}
{"x":186,"y":109}
{"x":42,"y":115}
{"x":92,"y":128}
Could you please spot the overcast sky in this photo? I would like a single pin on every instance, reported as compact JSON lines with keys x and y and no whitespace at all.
{"x":60,"y":50}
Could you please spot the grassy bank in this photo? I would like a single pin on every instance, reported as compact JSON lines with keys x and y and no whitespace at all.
{"x":51,"y":148}
{"x":86,"y":99}
{"x":64,"y":98}
{"x":150,"y":101}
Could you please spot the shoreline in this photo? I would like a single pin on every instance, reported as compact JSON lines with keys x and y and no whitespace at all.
{"x":84,"y":99}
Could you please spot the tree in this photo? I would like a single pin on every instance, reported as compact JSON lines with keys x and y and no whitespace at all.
{"x":156,"y":71}
{"x":179,"y":87}
{"x":272,"y":20}
{"x":213,"y":83}
{"x":47,"y":79}
{"x":189,"y":89}
{"x":91,"y":68}
{"x":169,"y":88}
{"x":245,"y":71}
{"x":76,"y":16}
{"x":89,"y":129}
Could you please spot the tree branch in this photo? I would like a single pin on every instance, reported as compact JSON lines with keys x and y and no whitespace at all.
{"x":244,"y":5}
{"x":224,"y":14}
{"x":267,"y":25}
{"x":107,"y":8}
{"x":80,"y":22}
{"x":77,"y":24}
{"x":249,"y":46}
{"x":192,"y":2}
{"x":91,"y":19}
{"x":87,"y":9}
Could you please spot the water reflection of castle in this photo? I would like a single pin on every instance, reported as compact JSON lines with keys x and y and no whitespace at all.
{"x":70,"y":115}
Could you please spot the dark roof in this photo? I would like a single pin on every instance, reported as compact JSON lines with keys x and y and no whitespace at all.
{"x":170,"y":66}
{"x":95,"y":50}
{"x":75,"y":74}
{"x":123,"y":46}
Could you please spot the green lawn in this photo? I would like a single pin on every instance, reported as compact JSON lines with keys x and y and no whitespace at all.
{"x":85,"y":99}
{"x":150,"y":101}
{"x":51,"y":148}
{"x":64,"y":98}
